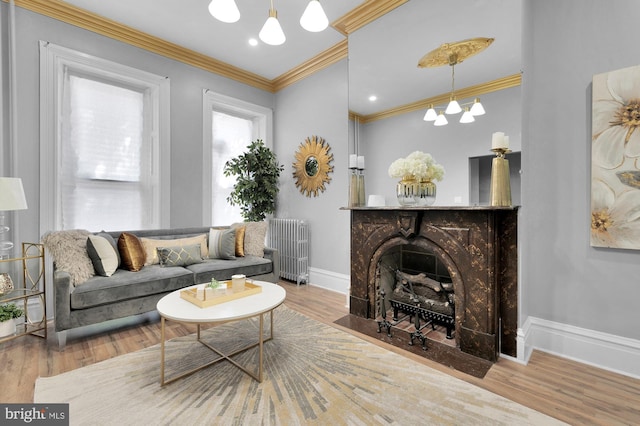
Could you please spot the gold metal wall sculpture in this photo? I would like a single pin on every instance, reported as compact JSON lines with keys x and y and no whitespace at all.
{"x":311,"y":168}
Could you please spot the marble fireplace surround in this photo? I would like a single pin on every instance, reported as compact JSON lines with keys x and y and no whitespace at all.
{"x":477,"y":244}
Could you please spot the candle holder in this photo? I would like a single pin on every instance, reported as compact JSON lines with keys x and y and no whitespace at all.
{"x":361,"y":192}
{"x":353,"y":187}
{"x":500,"y":180}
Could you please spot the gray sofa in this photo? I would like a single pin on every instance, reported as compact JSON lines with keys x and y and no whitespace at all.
{"x":127,"y":293}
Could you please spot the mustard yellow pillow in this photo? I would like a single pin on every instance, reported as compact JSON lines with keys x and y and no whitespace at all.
{"x":240,"y":241}
{"x":131,"y":252}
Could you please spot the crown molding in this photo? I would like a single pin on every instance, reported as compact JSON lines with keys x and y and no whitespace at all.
{"x":367,"y":12}
{"x":81,"y":18}
{"x":507,"y":82}
{"x":329,"y":57}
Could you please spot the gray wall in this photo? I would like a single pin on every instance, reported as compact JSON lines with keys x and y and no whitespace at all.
{"x":384,"y":141}
{"x":563,"y":278}
{"x":318,"y":106}
{"x":186,"y":111}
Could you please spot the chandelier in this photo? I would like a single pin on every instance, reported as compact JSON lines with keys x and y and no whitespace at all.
{"x":313,"y":19}
{"x":452,"y":54}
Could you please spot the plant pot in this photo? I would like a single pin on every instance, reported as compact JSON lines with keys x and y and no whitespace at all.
{"x":7,"y":328}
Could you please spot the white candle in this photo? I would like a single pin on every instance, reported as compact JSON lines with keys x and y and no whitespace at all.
{"x":353,"y":161}
{"x":497,"y":140}
{"x":361,"y":162}
{"x":506,"y":142}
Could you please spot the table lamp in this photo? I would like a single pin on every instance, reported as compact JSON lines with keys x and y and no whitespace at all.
{"x":11,"y":198}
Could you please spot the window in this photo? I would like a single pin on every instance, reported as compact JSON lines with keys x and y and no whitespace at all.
{"x":102,"y":143}
{"x":229,"y":127}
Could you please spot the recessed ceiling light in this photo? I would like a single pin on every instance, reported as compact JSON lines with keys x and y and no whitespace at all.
{"x":253,"y":42}
{"x":373,"y":98}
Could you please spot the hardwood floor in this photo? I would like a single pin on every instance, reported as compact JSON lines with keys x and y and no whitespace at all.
{"x":573,"y":392}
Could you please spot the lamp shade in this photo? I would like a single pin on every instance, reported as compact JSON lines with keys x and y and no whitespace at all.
{"x":224,"y":10}
{"x":467,"y":117}
{"x":431,"y":114}
{"x":12,"y":194}
{"x":441,"y":120}
{"x":314,"y":19}
{"x":453,"y":107}
{"x":477,"y":108}
{"x":271,"y":33}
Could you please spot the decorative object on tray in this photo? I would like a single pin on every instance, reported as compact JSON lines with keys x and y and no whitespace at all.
{"x":500,"y":181}
{"x":312,"y":166}
{"x":417,"y":172}
{"x":204,"y":295}
{"x":6,"y":284}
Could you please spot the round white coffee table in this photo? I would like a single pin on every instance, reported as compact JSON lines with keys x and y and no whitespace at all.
{"x":175,"y":308}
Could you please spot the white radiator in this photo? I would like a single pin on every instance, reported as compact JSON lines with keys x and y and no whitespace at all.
{"x":291,"y":238}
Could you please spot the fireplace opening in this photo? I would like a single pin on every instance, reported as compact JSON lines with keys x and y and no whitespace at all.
{"x":415,"y":293}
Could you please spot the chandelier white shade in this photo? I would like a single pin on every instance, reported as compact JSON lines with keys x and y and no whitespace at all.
{"x":224,"y":10}
{"x":271,"y":32}
{"x":453,"y":107}
{"x":441,"y":120}
{"x":431,"y":114}
{"x":314,"y":19}
{"x":467,"y":117}
{"x":477,"y":108}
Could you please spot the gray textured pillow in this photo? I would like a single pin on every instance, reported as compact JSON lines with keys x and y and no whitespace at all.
{"x":102,"y":254}
{"x":222,"y":244}
{"x":254,"y":237}
{"x":180,"y":255}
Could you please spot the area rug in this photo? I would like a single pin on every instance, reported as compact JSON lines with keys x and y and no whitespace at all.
{"x":314,"y":374}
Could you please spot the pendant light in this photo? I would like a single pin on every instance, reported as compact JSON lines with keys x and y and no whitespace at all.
{"x":454,"y":106}
{"x":271,"y":33}
{"x":477,"y":108}
{"x":441,"y":120}
{"x":224,"y":10}
{"x":467,"y":117}
{"x":314,"y":19}
{"x":431,"y":114}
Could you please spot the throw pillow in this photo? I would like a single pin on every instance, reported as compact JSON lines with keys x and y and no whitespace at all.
{"x":131,"y":252}
{"x":254,"y":237}
{"x":240,"y":240}
{"x":102,"y":254}
{"x":222,"y":243}
{"x":113,"y":243}
{"x":180,"y":255}
{"x":69,"y":251}
{"x":150,"y":246}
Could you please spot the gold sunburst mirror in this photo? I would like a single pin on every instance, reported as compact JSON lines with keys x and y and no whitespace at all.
{"x":312,"y":166}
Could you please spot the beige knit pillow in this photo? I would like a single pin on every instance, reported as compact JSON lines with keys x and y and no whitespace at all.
{"x":254,"y":237}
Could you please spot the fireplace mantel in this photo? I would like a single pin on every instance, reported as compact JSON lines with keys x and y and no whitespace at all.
{"x":479,"y":246}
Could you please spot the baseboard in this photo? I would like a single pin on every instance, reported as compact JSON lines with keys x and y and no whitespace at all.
{"x":330,"y":280}
{"x":607,"y":351}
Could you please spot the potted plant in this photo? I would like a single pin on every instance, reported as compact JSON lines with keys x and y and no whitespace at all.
{"x":257,"y":172}
{"x":8,"y":314}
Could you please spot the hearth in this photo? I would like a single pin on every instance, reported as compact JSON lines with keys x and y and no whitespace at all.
{"x":469,"y":287}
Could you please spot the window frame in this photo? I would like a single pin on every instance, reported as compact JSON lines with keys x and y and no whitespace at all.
{"x":262,"y":129}
{"x":55,"y":62}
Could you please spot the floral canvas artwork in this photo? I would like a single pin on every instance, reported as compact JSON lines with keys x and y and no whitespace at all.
{"x":615,"y":159}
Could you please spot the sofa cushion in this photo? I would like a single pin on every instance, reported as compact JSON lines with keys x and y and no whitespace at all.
{"x":240,"y":230}
{"x":103,"y":256}
{"x":223,"y":269}
{"x":125,"y":285}
{"x":151,"y":245}
{"x":180,"y":255}
{"x":222,"y":243}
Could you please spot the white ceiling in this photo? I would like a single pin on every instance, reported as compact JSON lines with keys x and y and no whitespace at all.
{"x":383,"y":55}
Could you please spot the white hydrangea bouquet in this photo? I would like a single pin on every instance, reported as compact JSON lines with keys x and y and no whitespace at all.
{"x":418,"y":164}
